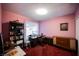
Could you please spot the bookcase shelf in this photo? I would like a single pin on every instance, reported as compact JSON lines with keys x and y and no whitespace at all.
{"x":13,"y":32}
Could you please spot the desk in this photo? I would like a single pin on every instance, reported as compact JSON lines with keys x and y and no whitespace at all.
{"x":41,"y":41}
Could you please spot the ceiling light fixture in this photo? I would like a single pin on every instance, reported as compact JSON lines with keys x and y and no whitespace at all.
{"x":41,"y":11}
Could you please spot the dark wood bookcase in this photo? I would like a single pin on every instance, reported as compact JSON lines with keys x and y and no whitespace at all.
{"x":13,"y":34}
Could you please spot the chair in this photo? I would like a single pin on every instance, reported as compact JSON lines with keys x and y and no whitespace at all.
{"x":28,"y":44}
{"x":1,"y":46}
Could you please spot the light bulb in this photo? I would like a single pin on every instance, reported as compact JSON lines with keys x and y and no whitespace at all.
{"x":41,"y":11}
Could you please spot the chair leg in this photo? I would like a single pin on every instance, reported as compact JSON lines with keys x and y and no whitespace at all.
{"x":29,"y":45}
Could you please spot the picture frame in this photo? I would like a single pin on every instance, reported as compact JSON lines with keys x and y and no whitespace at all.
{"x":64,"y":27}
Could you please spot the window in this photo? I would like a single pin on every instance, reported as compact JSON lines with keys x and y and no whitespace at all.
{"x":31,"y":28}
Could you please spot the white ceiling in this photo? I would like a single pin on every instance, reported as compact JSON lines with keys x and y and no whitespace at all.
{"x":28,"y":9}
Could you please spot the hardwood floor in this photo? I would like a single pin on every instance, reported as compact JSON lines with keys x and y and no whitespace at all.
{"x":47,"y":50}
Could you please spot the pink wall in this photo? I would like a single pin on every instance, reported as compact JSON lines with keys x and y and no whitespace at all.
{"x":77,"y":12}
{"x":77,"y":27}
{"x":10,"y":16}
{"x":49,"y":27}
{"x":52,"y":27}
{"x":0,"y":18}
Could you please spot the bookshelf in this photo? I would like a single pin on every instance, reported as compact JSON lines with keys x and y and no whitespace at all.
{"x":13,"y":34}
